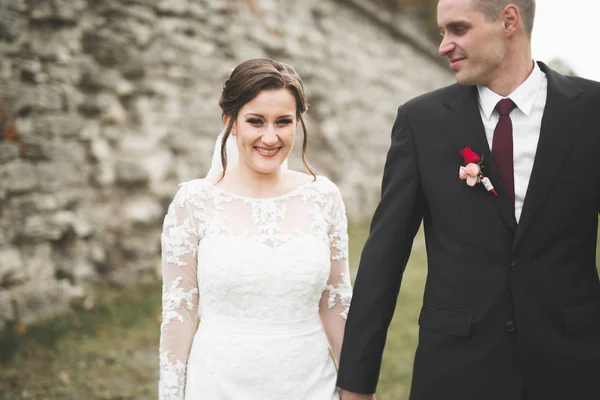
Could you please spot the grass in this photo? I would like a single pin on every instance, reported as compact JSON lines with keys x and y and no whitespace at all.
{"x":396,"y":369}
{"x":108,"y":350}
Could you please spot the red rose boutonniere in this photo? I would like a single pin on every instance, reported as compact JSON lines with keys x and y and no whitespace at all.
{"x":471,"y":172}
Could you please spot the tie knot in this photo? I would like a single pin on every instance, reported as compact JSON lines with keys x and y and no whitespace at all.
{"x":505,"y":106}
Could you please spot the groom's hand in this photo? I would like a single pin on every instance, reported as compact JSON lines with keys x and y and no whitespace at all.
{"x":346,"y":395}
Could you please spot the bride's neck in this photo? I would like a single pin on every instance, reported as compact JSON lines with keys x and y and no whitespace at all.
{"x":254,"y":183}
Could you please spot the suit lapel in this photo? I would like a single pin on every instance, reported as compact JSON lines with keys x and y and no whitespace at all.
{"x":464,"y":127}
{"x":559,"y":124}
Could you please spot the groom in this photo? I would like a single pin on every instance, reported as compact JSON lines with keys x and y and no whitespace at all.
{"x":512,"y":301}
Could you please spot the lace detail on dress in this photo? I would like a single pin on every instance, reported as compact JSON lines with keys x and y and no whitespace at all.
{"x":172,"y":379}
{"x":176,"y":240}
{"x":339,"y":235}
{"x":179,"y":242}
{"x":344,"y":292}
{"x":267,"y":215}
{"x":172,"y":300}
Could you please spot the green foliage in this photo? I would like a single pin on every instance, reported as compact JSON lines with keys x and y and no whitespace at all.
{"x":110,"y":309}
{"x":110,"y":350}
{"x":107,"y":350}
{"x":424,"y":10}
{"x":396,"y":368}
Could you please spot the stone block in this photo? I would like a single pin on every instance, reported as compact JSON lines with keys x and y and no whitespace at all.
{"x":7,"y":312}
{"x":18,"y":177}
{"x":100,"y":149}
{"x":63,"y":11}
{"x":144,"y":12}
{"x":178,"y":7}
{"x":11,"y":267}
{"x":10,"y":24}
{"x":109,"y":48}
{"x":38,"y":262}
{"x":104,"y":174}
{"x":58,"y":126}
{"x":73,"y":262}
{"x":97,"y":104}
{"x":35,"y":203}
{"x":38,"y":229}
{"x":37,"y":301}
{"x":142,"y":210}
{"x":46,"y":149}
{"x":55,"y":175}
{"x":100,"y":79}
{"x":21,"y":97}
{"x":9,"y":151}
{"x":131,"y":173}
{"x":90,"y":130}
{"x":54,"y":226}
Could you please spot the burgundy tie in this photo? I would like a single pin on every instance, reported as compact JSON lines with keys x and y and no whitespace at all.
{"x":502,"y":147}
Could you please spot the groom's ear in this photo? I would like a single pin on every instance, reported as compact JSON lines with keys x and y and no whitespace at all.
{"x":511,"y":18}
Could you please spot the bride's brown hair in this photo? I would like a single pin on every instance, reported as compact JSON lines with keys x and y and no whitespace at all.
{"x":250,"y":78}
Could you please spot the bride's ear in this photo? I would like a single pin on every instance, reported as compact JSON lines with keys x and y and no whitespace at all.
{"x":226,"y":119}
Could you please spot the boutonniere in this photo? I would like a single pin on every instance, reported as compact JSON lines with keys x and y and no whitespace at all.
{"x":471,"y":172}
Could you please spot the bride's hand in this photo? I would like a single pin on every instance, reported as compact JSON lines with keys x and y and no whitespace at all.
{"x":346,"y":395}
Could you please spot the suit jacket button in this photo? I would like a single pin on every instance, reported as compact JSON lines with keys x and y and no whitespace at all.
{"x":509,"y":326}
{"x":514,"y":265}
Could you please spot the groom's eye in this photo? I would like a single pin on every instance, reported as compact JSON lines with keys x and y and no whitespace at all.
{"x":458,"y":29}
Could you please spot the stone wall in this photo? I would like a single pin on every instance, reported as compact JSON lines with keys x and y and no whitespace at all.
{"x":105,"y":105}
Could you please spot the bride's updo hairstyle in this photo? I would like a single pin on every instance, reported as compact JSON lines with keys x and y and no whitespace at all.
{"x":250,"y":78}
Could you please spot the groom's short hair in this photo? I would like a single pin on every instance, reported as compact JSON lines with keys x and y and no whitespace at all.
{"x":492,"y":9}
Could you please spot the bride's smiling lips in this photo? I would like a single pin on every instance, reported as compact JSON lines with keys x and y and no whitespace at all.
{"x":267,"y":151}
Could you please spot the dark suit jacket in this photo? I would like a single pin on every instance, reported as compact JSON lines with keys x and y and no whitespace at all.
{"x":507,"y":308}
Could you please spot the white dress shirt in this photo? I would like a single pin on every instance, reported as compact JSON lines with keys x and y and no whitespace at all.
{"x":530,"y":99}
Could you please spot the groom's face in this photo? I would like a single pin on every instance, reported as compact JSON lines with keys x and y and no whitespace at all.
{"x":473,"y":44}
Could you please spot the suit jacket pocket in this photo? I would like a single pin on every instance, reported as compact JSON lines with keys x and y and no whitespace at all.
{"x":443,"y":320}
{"x":583,"y":318}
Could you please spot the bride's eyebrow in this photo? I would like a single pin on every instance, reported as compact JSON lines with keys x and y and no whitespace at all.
{"x":262,"y":116}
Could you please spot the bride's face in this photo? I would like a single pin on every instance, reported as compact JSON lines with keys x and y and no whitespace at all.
{"x":265,"y":129}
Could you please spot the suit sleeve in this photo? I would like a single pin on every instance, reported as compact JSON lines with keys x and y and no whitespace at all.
{"x":383,"y":260}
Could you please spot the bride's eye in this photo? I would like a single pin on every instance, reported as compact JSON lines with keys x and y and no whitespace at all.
{"x":284,"y":121}
{"x":254,"y":121}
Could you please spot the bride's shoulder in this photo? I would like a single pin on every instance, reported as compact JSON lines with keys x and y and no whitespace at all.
{"x":195,"y":184}
{"x":322,"y":184}
{"x":193,"y":189}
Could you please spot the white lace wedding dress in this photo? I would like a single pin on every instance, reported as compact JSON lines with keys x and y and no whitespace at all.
{"x":269,"y":280}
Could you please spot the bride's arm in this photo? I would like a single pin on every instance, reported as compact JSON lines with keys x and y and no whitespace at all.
{"x":335,"y":300}
{"x":179,"y":241}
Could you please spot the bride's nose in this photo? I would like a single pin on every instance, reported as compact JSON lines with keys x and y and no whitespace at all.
{"x":270,"y":137}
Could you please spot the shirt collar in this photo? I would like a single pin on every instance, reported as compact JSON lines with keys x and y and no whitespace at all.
{"x":523,"y":96}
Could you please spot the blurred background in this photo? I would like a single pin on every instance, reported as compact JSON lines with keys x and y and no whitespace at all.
{"x":106,"y":105}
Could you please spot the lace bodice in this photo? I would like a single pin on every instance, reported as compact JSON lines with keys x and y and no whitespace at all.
{"x":281,"y":259}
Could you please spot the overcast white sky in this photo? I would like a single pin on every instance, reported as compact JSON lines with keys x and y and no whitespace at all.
{"x":568,"y":29}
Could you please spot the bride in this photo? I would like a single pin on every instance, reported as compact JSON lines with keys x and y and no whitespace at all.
{"x":259,"y":253}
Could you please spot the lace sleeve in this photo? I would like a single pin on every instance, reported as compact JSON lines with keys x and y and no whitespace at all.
{"x":179,"y":241}
{"x":335,"y":300}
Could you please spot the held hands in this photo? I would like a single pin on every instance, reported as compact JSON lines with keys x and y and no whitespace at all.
{"x":345,"y":395}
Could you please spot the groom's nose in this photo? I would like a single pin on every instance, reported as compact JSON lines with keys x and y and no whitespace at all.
{"x":446,"y":46}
